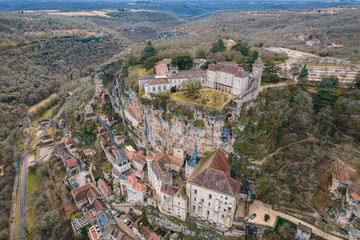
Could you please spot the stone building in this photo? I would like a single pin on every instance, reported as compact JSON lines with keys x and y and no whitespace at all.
{"x":133,"y":115}
{"x":212,"y":193}
{"x":136,"y":190}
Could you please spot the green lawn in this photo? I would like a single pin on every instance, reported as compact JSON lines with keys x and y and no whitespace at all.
{"x":204,"y":94}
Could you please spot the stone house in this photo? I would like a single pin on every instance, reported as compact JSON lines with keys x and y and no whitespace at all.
{"x":133,"y":115}
{"x":118,"y":159}
{"x":83,"y":195}
{"x":212,"y":193}
{"x":119,"y":140}
{"x":105,"y":190}
{"x":136,"y":191}
{"x":173,"y":201}
{"x":158,"y":173}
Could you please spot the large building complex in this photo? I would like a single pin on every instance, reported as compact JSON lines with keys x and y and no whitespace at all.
{"x":223,"y":76}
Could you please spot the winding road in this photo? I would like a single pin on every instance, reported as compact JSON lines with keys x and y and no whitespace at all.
{"x":20,"y":218}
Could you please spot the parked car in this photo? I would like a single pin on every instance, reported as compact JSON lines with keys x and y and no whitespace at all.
{"x":113,"y":212}
{"x":119,"y":214}
{"x":126,"y":221}
{"x":131,"y":225}
{"x":253,"y":216}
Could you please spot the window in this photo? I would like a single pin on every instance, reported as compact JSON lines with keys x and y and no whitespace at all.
{"x":210,"y":196}
{"x":159,"y":88}
{"x":209,"y":204}
{"x":224,"y":210}
{"x":195,"y":191}
{"x":194,"y":198}
{"x":154,"y":89}
{"x":208,"y":212}
{"x":229,"y":209}
{"x":222,"y":215}
{"x":225,"y":198}
{"x":202,"y":200}
{"x":225,"y":203}
{"x":194,"y":208}
{"x":178,"y":203}
{"x":164,"y":87}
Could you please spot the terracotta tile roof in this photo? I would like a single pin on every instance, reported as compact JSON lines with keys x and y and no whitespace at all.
{"x":139,"y":172}
{"x":130,"y":180}
{"x":68,"y":140}
{"x":80,"y":192}
{"x":72,"y":162}
{"x":228,"y":68}
{"x":213,"y":171}
{"x":176,"y":160}
{"x":217,"y":180}
{"x":138,"y":186}
{"x":104,"y":187}
{"x":166,"y":176}
{"x":162,"y":69}
{"x":134,"y":112}
{"x":168,"y":189}
{"x":158,"y":168}
{"x":130,"y":155}
{"x":140,"y":159}
{"x":92,"y":194}
{"x":158,"y":81}
{"x":188,"y":74}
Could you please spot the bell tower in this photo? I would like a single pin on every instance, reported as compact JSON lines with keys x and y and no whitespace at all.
{"x":257,"y":71}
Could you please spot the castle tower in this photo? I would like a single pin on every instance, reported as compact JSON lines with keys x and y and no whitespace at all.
{"x":257,"y":71}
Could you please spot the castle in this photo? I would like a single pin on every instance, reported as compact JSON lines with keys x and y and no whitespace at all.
{"x":223,"y":76}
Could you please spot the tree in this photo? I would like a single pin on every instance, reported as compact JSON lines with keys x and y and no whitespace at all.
{"x":295,"y":70}
{"x":267,"y":217}
{"x":328,"y":82}
{"x":218,"y":46}
{"x":131,"y":60}
{"x":270,"y":71}
{"x":216,"y":96}
{"x":357,"y":80}
{"x":183,"y":62}
{"x":242,"y":47}
{"x":151,"y":62}
{"x":324,"y":122}
{"x":149,"y":51}
{"x":303,"y":78}
{"x":192,"y":86}
{"x":251,"y":59}
{"x":325,"y":97}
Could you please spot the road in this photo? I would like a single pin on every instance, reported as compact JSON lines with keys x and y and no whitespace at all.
{"x":110,"y":131}
{"x":21,"y":216}
{"x":126,"y":230}
{"x":261,"y":209}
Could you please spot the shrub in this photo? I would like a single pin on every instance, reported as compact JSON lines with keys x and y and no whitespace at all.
{"x":267,"y":217}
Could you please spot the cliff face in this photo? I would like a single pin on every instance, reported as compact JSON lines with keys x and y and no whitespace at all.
{"x":181,"y":133}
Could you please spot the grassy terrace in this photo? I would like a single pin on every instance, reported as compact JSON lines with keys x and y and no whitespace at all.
{"x":205,"y":97}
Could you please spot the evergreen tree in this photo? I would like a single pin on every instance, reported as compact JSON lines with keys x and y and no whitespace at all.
{"x":328,"y":82}
{"x":357,"y":80}
{"x":271,"y":71}
{"x":131,"y":60}
{"x":303,"y":78}
{"x":149,"y":51}
{"x":183,"y":62}
{"x":218,"y":46}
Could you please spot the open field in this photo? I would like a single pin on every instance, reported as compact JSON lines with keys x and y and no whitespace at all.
{"x":205,"y":93}
{"x":42,"y":103}
{"x":47,"y":114}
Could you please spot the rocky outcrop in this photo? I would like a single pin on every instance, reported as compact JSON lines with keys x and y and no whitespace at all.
{"x":181,"y":133}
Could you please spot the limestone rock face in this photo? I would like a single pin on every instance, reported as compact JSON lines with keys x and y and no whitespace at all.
{"x":180,"y":133}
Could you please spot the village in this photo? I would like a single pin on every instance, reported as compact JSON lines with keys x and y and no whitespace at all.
{"x":151,"y":193}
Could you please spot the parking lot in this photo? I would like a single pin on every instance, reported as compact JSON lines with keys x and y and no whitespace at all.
{"x":261,"y":209}
{"x":80,"y":179}
{"x":45,"y":153}
{"x":125,"y":229}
